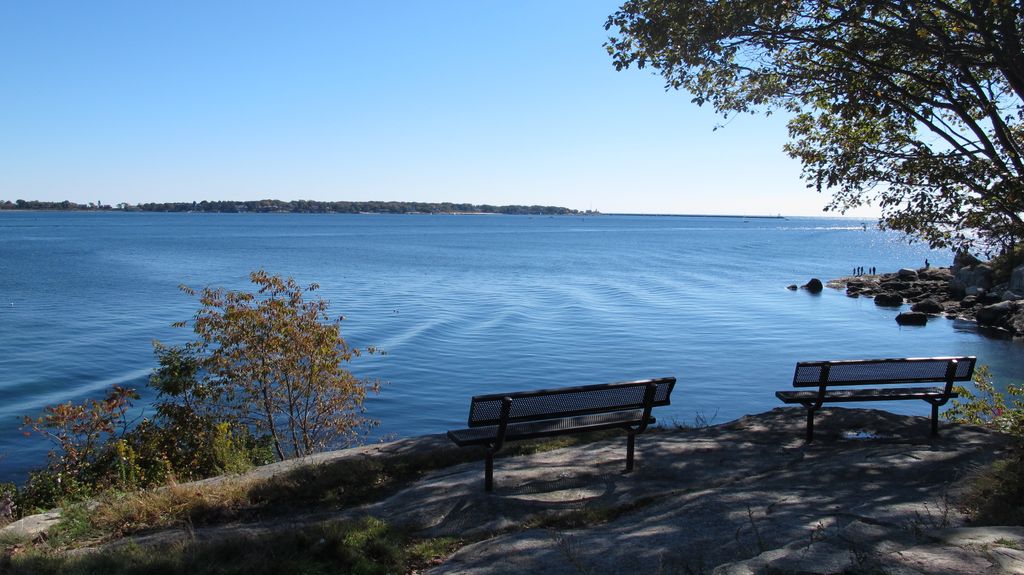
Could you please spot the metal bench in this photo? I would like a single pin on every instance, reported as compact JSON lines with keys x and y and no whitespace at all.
{"x":497,"y":418}
{"x":829,"y":375}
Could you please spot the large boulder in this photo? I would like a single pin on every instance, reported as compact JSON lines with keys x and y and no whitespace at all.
{"x":979,"y":275}
{"x":1017,"y":279}
{"x":927,"y":306}
{"x":889,"y":299}
{"x":989,"y":298}
{"x":1016,"y":322}
{"x":938,"y":274}
{"x":968,"y":302}
{"x":912,"y":318}
{"x":1010,"y":295}
{"x":907,"y":274}
{"x":813,"y":286}
{"x":996,"y":314}
{"x":971,"y":281}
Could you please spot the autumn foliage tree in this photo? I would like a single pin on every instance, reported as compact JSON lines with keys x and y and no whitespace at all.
{"x":274,"y":360}
{"x":263,"y":379}
{"x":915,"y":106}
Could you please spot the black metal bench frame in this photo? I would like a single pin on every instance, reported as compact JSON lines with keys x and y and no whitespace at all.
{"x":497,"y":418}
{"x":832,"y":374}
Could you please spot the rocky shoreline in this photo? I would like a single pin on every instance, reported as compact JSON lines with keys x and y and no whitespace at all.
{"x":965,"y":291}
{"x":874,"y":493}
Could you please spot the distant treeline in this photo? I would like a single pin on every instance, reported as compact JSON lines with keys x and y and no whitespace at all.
{"x":297,"y":206}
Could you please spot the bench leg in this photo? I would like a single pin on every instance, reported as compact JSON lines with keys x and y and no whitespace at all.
{"x":630,"y":444}
{"x":935,"y":420}
{"x":489,"y":472}
{"x":810,"y":425}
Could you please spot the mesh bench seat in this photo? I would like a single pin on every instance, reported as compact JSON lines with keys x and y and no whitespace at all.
{"x":834,"y":380}
{"x":497,"y":418}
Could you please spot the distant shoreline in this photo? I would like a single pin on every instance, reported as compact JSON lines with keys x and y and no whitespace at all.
{"x":438,"y":213}
{"x":734,"y":216}
{"x":294,"y":207}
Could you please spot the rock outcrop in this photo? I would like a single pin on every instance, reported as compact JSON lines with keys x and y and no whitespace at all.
{"x":813,"y":286}
{"x":972,"y":280}
{"x":928,"y":306}
{"x":966,"y":291}
{"x":749,"y":496}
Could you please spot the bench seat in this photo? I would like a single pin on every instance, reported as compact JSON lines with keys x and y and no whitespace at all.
{"x":547,"y":428}
{"x":876,"y":394}
{"x":845,"y":380}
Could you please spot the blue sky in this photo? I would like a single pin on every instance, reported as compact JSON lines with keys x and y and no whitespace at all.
{"x":464,"y":101}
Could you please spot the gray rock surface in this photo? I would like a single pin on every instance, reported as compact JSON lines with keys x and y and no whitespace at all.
{"x":928,"y":306}
{"x":708,"y":512}
{"x":1017,"y":279}
{"x":970,"y":280}
{"x":996,"y":314}
{"x":31,"y":526}
{"x":952,"y":551}
{"x":976,"y":291}
{"x":1010,"y":295}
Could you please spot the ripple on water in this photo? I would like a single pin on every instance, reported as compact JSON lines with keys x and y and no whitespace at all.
{"x":464,"y":306}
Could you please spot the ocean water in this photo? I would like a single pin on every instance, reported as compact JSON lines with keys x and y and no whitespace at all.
{"x":465,"y":305}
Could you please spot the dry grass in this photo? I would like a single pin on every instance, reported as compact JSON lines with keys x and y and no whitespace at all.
{"x":117,"y":514}
{"x":337,"y":485}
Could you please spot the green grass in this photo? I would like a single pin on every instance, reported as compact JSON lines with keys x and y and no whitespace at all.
{"x":365,"y":547}
{"x":75,"y":527}
{"x":1012,"y":544}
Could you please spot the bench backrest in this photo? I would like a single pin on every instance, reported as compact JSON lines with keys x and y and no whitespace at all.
{"x":882,"y":371}
{"x":568,"y":401}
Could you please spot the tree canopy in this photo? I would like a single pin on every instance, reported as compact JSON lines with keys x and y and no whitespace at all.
{"x":917,"y":107}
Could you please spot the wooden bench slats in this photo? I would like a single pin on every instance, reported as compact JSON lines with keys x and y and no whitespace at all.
{"x":834,"y":395}
{"x":545,"y":428}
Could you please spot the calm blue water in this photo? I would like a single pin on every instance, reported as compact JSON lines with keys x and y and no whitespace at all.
{"x":464,"y":305}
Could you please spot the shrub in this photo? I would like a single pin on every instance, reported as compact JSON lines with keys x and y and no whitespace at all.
{"x":272,"y":360}
{"x":987,"y":406}
{"x":264,"y":380}
{"x":996,"y":496}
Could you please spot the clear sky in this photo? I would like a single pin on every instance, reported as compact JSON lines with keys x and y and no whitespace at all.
{"x":448,"y":100}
